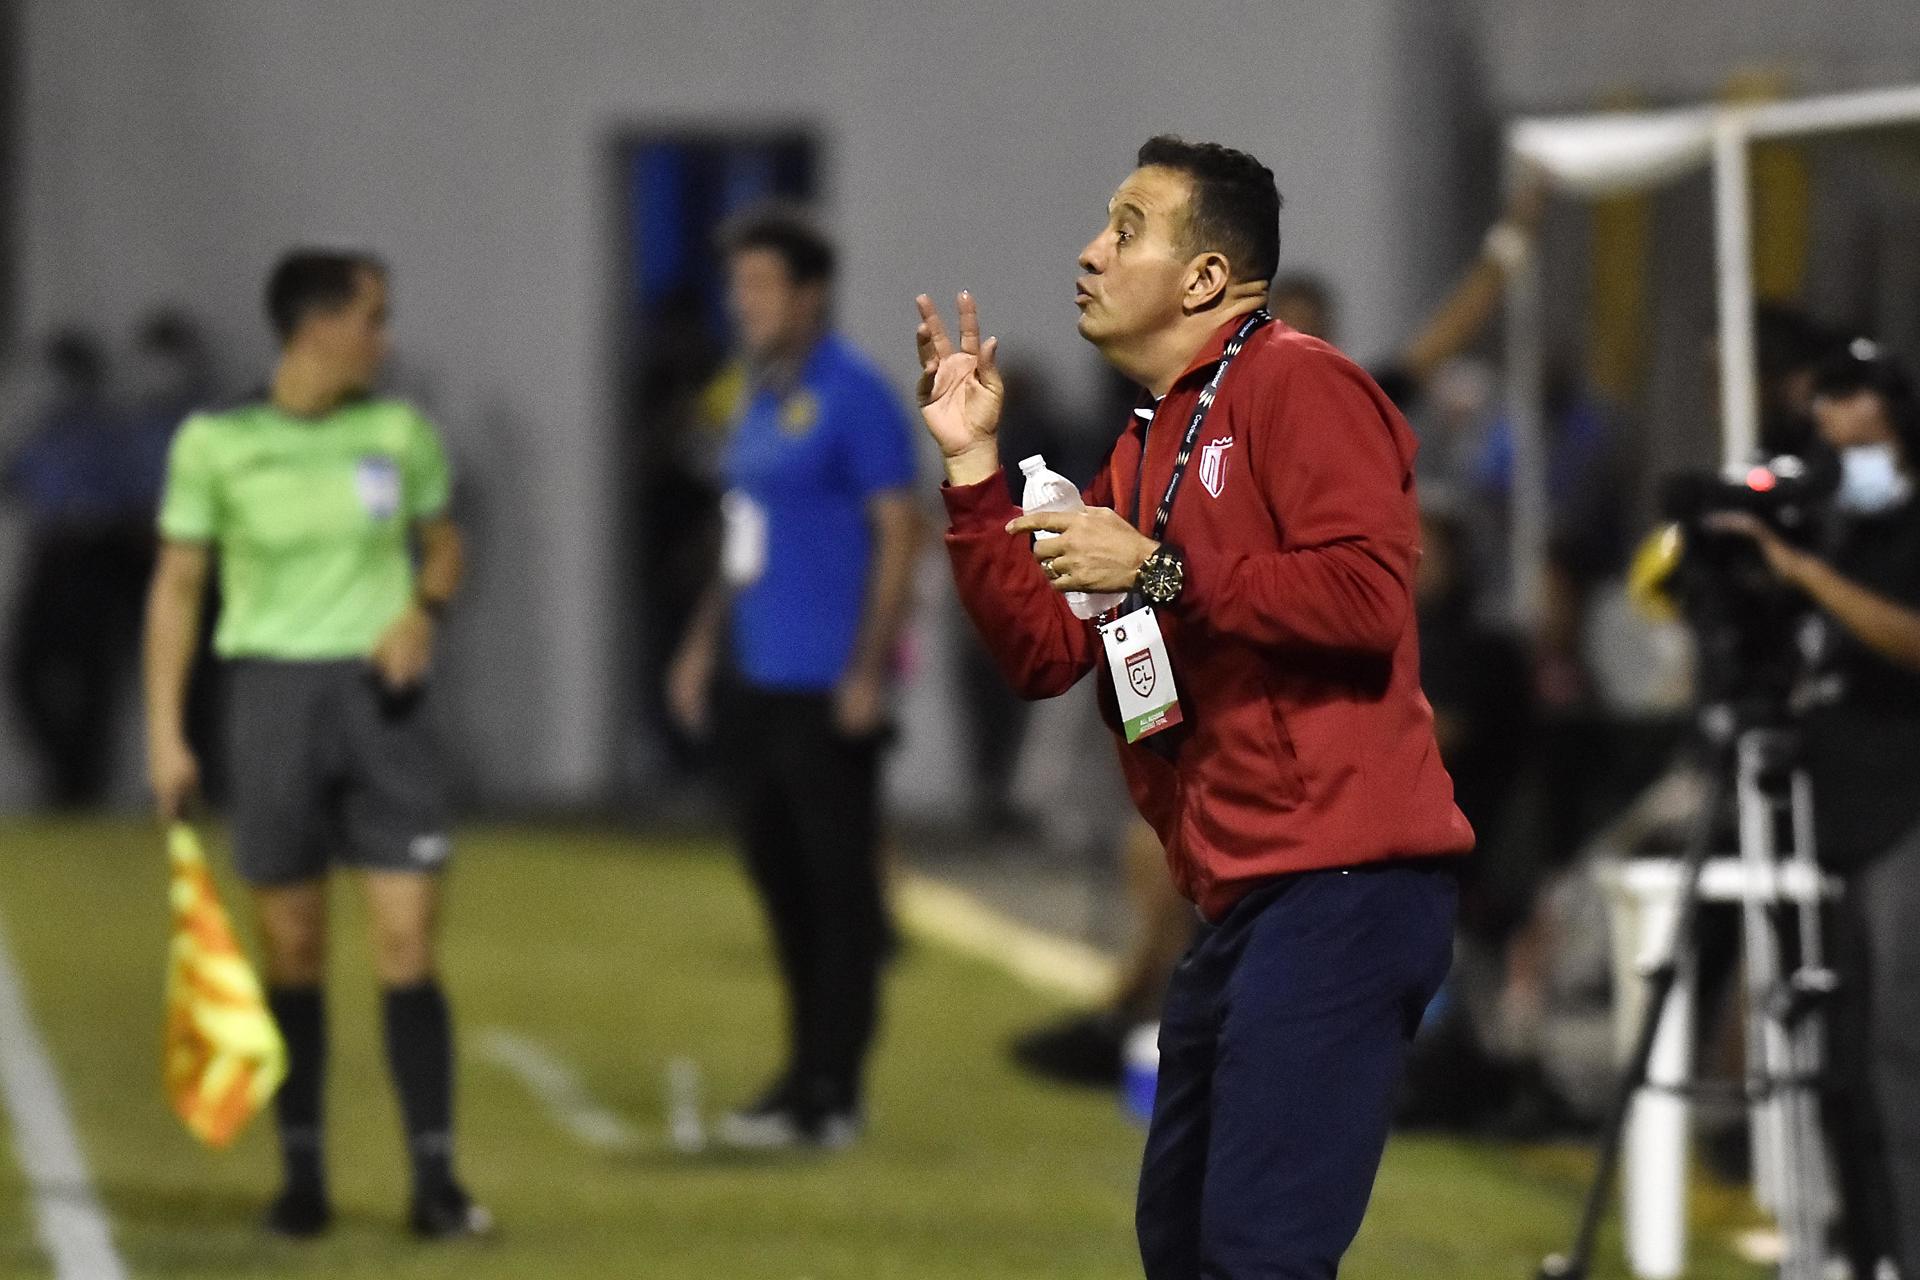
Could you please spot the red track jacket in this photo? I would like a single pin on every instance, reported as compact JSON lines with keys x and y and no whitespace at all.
{"x":1306,"y":741}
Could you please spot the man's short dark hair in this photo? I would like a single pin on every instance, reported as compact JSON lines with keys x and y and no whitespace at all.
{"x":1235,"y":207}
{"x":308,"y":280}
{"x":808,"y":254}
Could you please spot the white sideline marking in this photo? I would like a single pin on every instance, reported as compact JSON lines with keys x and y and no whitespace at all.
{"x":955,"y":918}
{"x":72,"y":1226}
{"x":557,"y":1085}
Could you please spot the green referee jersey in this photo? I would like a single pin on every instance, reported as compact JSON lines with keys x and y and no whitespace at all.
{"x":311,"y":519}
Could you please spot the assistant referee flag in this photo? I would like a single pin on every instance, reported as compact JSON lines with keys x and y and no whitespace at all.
{"x":223,"y":1057}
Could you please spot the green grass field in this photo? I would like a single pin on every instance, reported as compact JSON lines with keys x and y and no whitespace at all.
{"x":618,"y":955}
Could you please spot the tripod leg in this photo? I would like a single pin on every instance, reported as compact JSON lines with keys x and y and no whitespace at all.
{"x":1654,"y":1194}
{"x":1578,"y":1261}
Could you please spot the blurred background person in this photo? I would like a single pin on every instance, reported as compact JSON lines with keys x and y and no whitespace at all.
{"x":80,"y":478}
{"x":1475,"y":674}
{"x":995,"y":720}
{"x":790,"y":660}
{"x":1862,"y":741}
{"x":1791,"y":349}
{"x":315,"y":500}
{"x":169,"y":375}
{"x":1304,"y":300}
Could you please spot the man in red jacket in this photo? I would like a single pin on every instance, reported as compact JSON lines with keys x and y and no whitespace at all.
{"x":1263,"y":684}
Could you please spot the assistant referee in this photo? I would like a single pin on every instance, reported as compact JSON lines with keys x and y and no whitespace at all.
{"x":316,"y":500}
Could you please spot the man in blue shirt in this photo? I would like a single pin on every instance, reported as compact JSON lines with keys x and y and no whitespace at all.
{"x":795,"y":646}
{"x":70,"y":652}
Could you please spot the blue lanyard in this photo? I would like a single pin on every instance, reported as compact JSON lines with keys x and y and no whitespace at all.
{"x":1207,"y":396}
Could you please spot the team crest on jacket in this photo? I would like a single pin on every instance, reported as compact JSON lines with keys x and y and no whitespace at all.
{"x":1140,"y":673}
{"x":1213,"y":464}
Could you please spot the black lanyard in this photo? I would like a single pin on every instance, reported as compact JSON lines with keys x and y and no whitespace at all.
{"x":1207,"y":395}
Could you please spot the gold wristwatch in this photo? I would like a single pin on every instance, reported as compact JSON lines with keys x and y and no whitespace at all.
{"x":1162,"y":576}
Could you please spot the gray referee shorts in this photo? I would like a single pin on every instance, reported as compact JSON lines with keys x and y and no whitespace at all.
{"x":329,"y":769}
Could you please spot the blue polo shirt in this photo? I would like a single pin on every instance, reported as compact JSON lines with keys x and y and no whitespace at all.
{"x":812,"y":456}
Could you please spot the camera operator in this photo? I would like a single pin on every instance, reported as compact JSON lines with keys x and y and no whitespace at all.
{"x":1862,"y":739}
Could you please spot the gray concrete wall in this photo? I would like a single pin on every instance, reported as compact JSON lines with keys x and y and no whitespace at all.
{"x":171,"y":149}
{"x":1566,"y":54}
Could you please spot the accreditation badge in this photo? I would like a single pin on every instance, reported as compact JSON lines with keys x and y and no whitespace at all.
{"x":743,"y":549}
{"x":1142,"y":674}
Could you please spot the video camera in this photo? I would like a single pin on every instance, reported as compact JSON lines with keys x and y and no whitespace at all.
{"x":1746,"y":622}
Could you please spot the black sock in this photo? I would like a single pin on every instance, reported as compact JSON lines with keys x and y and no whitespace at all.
{"x":420,"y":1053}
{"x":301,"y":1013}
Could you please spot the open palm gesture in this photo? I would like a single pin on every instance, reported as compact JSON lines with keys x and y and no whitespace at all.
{"x":960,"y":388}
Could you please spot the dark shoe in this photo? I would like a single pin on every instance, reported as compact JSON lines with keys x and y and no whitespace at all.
{"x":299,"y":1213}
{"x":1085,"y":1050}
{"x":837,"y":1130}
{"x":450,"y":1214}
{"x":789,"y":1129}
{"x":764,"y":1126}
{"x":790,"y":1115}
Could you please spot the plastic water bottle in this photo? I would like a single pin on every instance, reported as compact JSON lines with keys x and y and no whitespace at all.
{"x":686,"y":1130}
{"x":1050,"y":491}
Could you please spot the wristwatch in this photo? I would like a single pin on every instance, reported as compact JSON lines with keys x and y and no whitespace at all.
{"x":1162,"y":575}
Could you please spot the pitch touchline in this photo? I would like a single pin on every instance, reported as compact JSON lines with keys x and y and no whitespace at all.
{"x":555,"y":1082}
{"x":1042,"y":961}
{"x":72,"y":1226}
{"x":941,"y":913}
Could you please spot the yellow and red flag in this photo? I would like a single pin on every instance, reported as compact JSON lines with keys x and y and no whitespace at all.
{"x":224,"y":1057}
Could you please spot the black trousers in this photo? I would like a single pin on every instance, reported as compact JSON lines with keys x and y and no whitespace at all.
{"x":1281,"y":1044}
{"x":74,"y":653}
{"x":806,"y":803}
{"x":1872,"y":1102}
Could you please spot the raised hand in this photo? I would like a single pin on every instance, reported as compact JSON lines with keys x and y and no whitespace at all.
{"x":960,"y":391}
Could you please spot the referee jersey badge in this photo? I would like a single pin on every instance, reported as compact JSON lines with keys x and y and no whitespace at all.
{"x":1213,"y":465}
{"x":799,"y":414}
{"x":377,"y":480}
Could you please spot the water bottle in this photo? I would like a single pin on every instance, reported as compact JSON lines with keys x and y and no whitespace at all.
{"x":1050,"y":491}
{"x":686,"y":1129}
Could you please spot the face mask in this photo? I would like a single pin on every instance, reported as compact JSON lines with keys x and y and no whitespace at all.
{"x":1870,"y":480}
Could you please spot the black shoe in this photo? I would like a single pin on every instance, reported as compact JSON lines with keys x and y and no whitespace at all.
{"x":1085,"y":1049}
{"x":300,"y":1213}
{"x":450,"y":1214}
{"x":792,"y":1114}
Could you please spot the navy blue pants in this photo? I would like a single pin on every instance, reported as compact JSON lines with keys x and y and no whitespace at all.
{"x":1281,"y":1044}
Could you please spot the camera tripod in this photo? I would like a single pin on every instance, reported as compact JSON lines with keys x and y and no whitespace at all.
{"x":1786,"y":985}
